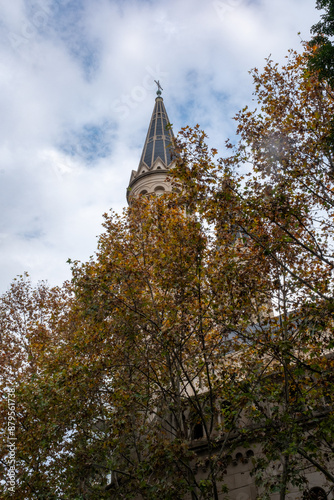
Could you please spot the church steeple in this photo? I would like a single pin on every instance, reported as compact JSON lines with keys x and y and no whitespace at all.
{"x":156,"y":157}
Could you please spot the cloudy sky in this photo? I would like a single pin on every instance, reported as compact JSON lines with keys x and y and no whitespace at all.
{"x":77,"y":93}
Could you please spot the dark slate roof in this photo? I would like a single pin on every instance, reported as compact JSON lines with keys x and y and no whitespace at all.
{"x":159,"y":137}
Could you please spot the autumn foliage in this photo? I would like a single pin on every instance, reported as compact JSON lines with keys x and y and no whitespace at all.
{"x":203,"y":323}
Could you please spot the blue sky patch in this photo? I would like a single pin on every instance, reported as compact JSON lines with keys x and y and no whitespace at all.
{"x":89,"y":143}
{"x":69,"y":25}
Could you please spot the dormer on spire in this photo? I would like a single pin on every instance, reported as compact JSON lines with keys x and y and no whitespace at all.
{"x":156,"y":158}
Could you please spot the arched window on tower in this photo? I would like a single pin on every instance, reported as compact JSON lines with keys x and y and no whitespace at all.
{"x":197,"y":431}
{"x":144,"y":191}
{"x":315,"y":493}
{"x":159,"y":190}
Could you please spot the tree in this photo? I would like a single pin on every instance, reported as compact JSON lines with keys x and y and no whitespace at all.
{"x":167,"y":300}
{"x":142,"y":366}
{"x":322,"y":58}
{"x":283,"y":209}
{"x":30,"y":320}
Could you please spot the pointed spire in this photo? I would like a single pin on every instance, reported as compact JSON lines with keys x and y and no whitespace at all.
{"x":159,"y":137}
{"x":156,"y":157}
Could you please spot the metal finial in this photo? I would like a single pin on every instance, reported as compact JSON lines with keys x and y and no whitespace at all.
{"x":159,"y":88}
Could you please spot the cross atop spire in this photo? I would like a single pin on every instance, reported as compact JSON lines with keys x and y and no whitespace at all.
{"x":159,"y":88}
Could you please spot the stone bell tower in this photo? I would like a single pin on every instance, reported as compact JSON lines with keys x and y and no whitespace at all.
{"x":156,"y":158}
